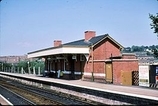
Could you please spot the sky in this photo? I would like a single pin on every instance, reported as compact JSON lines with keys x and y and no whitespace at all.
{"x":30,"y":25}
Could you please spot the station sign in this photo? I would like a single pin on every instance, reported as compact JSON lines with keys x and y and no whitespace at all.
{"x":144,"y":76}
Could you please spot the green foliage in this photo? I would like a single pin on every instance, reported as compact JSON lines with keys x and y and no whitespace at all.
{"x":36,"y":64}
{"x":154,"y":24}
{"x":153,"y":49}
{"x":3,"y":66}
{"x":23,"y":64}
{"x":31,"y":64}
{"x":137,"y":48}
{"x":155,"y":53}
{"x":7,"y":64}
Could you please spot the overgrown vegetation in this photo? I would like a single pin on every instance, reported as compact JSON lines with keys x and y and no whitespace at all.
{"x":150,"y":50}
{"x":23,"y":64}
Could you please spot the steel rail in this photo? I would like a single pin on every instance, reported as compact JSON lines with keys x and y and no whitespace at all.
{"x":24,"y":101}
{"x":58,"y":97}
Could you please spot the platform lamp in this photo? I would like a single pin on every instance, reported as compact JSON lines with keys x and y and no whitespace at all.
{"x":28,"y":66}
{"x":2,"y":66}
{"x":12,"y":68}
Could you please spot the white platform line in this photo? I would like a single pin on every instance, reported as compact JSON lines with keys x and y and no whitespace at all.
{"x":9,"y":103}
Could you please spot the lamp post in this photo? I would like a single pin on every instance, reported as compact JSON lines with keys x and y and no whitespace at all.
{"x":2,"y":66}
{"x":92,"y":64}
{"x":12,"y":68}
{"x":28,"y":67}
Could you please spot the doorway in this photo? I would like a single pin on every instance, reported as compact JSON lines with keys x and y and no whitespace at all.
{"x":108,"y":72}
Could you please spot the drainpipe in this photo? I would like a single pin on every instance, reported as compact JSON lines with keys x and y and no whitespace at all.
{"x":91,"y":46}
{"x":112,"y":67}
{"x":92,"y":64}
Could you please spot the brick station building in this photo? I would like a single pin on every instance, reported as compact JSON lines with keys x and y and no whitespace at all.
{"x":94,"y":58}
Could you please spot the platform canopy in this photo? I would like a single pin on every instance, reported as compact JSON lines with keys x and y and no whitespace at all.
{"x":59,"y":50}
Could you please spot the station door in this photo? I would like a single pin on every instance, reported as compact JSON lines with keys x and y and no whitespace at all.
{"x":108,"y":72}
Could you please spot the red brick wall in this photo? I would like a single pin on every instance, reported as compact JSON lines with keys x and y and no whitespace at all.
{"x":104,"y":50}
{"x":112,"y":48}
{"x":100,"y":51}
{"x":99,"y":67}
{"x":123,"y":65}
{"x":88,"y":67}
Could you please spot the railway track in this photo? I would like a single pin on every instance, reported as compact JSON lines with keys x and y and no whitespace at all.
{"x":39,"y":96}
{"x":14,"y":98}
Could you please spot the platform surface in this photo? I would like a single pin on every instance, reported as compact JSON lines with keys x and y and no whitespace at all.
{"x":135,"y":91}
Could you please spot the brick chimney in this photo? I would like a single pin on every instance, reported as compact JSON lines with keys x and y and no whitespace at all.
{"x":57,"y":43}
{"x":89,"y":35}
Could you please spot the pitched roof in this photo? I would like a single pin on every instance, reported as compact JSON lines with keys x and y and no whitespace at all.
{"x":83,"y":43}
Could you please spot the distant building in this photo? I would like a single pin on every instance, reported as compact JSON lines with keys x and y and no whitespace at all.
{"x":13,"y":59}
{"x":141,"y":53}
{"x":148,"y":62}
{"x":144,"y":59}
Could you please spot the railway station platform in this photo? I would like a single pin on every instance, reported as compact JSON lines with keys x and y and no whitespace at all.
{"x":134,"y":91}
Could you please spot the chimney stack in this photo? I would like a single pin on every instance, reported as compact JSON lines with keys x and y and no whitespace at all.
{"x":57,"y":43}
{"x":89,"y":35}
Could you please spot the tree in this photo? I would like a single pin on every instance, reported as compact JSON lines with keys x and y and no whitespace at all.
{"x":36,"y":64}
{"x":154,"y":24}
{"x":155,"y":53}
{"x":24,"y":65}
{"x":5,"y":66}
{"x":31,"y":64}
